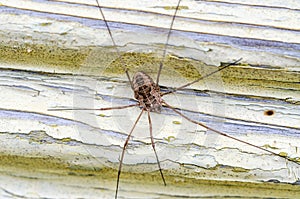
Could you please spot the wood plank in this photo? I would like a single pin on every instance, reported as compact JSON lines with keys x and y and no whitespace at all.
{"x":58,"y":53}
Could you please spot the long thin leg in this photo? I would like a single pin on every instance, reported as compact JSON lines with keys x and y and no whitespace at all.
{"x":153,"y":146}
{"x":98,"y":109}
{"x":167,"y":42}
{"x":114,"y":43}
{"x":201,"y":78}
{"x":223,"y":134}
{"x":123,"y":152}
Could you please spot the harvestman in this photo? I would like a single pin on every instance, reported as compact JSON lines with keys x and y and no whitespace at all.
{"x":149,"y":98}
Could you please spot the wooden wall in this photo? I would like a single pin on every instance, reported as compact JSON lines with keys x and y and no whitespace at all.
{"x":59,"y":54}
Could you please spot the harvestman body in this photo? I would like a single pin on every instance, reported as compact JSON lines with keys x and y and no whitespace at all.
{"x":149,"y":98}
{"x":147,"y":92}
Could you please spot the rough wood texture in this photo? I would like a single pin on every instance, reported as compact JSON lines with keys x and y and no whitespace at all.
{"x":57,"y":53}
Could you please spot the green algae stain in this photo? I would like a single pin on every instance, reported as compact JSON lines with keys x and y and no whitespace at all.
{"x":269,"y":146}
{"x":102,"y":115}
{"x":49,"y":163}
{"x":41,"y":137}
{"x":176,"y":122}
{"x":185,"y":183}
{"x":67,"y":139}
{"x":283,"y":154}
{"x":45,"y":24}
{"x":296,"y":159}
{"x":149,"y":63}
{"x":42,"y":55}
{"x":239,"y":169}
{"x":174,"y":7}
{"x":169,"y":138}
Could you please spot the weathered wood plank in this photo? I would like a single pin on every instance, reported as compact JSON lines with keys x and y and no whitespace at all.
{"x":219,"y":36}
{"x":66,"y":40}
{"x":93,"y":140}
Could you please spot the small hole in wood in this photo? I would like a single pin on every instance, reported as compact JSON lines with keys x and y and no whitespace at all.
{"x":269,"y":112}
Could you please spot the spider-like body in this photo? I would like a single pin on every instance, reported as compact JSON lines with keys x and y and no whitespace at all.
{"x":147,"y":92}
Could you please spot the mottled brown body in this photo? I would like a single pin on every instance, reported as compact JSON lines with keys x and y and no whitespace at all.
{"x":146,"y":92}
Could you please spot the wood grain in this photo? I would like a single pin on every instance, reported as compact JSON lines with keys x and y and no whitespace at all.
{"x":58,"y":54}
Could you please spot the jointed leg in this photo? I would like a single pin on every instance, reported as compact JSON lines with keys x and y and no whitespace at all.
{"x":167,"y":42}
{"x":224,"y":134}
{"x":201,"y":78}
{"x":153,"y":146}
{"x":114,"y":43}
{"x":96,"y":109}
{"x":123,"y":152}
